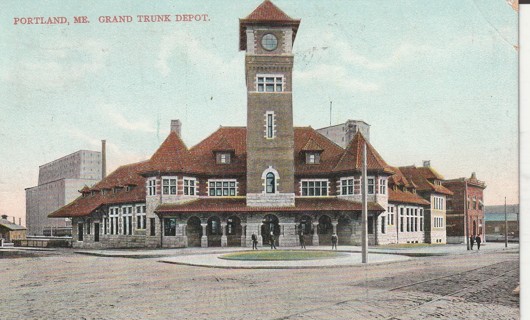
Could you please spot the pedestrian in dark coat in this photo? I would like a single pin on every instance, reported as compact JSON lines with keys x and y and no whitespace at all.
{"x":472,"y":241}
{"x":334,"y":240}
{"x":478,"y":240}
{"x":302,"y":240}
{"x":254,"y":242}
{"x":272,"y":238}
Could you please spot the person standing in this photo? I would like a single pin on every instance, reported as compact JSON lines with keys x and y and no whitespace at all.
{"x":471,"y":241}
{"x":272,"y":238}
{"x":478,"y":240}
{"x":302,"y":240}
{"x":334,"y":240}
{"x":254,"y":242}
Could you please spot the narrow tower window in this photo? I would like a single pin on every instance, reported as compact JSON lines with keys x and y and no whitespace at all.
{"x":271,"y":182}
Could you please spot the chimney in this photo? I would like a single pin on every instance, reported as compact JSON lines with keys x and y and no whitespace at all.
{"x":4,"y":216}
{"x":103,"y":159}
{"x":473,"y":176}
{"x":426,"y":163}
{"x":14,"y":220}
{"x":19,"y":221}
{"x":176,"y":125}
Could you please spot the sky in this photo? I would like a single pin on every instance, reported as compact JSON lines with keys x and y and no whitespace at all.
{"x":436,"y":80}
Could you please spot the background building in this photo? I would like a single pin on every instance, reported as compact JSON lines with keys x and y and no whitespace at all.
{"x":494,"y":218}
{"x":59,"y":183}
{"x":343,"y":133}
{"x":10,"y":231}
{"x":467,"y":201}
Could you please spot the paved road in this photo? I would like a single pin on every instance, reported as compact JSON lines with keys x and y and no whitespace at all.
{"x":71,"y":286}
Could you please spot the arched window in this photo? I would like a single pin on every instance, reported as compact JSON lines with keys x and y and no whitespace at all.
{"x":271,"y":183}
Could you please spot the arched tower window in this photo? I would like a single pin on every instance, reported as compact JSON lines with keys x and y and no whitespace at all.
{"x":270,"y":183}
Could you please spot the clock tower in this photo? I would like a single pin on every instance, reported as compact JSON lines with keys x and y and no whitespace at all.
{"x":267,"y":36}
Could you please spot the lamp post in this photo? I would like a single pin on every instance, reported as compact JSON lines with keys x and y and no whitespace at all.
{"x":364,"y":215}
{"x":505,"y":225}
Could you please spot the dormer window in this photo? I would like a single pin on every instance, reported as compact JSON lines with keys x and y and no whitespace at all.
{"x":312,"y":157}
{"x":223,"y":157}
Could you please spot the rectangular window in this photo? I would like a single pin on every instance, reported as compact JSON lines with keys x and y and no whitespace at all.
{"x":269,"y":124}
{"x":151,"y":187}
{"x":169,"y":186}
{"x":346,"y":186}
{"x":401,"y":225}
{"x":88,"y":226}
{"x":421,"y":224}
{"x":312,"y":157}
{"x":170,"y":227}
{"x":140,"y":217}
{"x":382,"y":186}
{"x":105,"y":225}
{"x":222,"y":188}
{"x":223,"y":157}
{"x":152,"y":226}
{"x":269,"y":83}
{"x":189,"y":186}
{"x":383,"y":225}
{"x":371,"y":185}
{"x":314,"y":188}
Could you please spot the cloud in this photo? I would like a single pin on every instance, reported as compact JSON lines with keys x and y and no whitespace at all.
{"x":399,"y":55}
{"x":55,"y":67}
{"x":194,"y":51}
{"x":337,"y":76}
{"x":121,"y":121}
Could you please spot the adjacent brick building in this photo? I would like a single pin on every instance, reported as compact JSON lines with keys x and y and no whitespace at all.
{"x":465,"y":209}
{"x":267,"y":177}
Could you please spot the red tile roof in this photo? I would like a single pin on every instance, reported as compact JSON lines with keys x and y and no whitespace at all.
{"x":405,"y":197}
{"x":352,"y":157}
{"x":124,"y":175}
{"x":328,"y":157}
{"x":239,"y":205}
{"x":171,"y":156}
{"x":265,"y":13}
{"x":424,"y":179}
{"x":312,"y":145}
{"x":235,"y":138}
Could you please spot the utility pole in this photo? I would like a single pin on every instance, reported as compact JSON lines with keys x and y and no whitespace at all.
{"x":364,"y":215}
{"x":330,"y":109}
{"x":505,"y":225}
{"x":466,"y":231}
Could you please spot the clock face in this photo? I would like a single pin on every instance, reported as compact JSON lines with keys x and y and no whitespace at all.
{"x":269,"y":42}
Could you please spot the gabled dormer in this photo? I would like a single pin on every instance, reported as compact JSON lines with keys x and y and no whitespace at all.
{"x":223,"y":152}
{"x":311,"y":152}
{"x":85,"y":191}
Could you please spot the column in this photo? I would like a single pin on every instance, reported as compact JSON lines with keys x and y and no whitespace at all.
{"x":334,"y":224}
{"x":204,"y":238}
{"x":315,"y":234}
{"x":288,"y":236}
{"x":251,"y":228}
{"x":244,"y":234}
{"x":184,"y":235}
{"x":224,"y":239}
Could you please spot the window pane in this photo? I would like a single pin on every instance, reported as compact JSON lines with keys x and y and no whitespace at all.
{"x":232,"y":192}
{"x":232,"y":184}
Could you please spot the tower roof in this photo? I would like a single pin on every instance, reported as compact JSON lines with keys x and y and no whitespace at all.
{"x":352,"y":157}
{"x":171,"y":156}
{"x":267,"y":13}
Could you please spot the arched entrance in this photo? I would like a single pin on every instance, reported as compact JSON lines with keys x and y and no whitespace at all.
{"x":270,"y":223}
{"x":214,"y":231}
{"x":194,"y":232}
{"x":344,"y":231}
{"x":325,"y":230}
{"x":233,"y":231}
{"x":305,"y":226}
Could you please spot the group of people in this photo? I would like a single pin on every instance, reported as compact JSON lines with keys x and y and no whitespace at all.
{"x":474,"y":239}
{"x":272,"y":239}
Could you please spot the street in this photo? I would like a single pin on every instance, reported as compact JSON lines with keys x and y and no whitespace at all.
{"x":65,"y":285}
